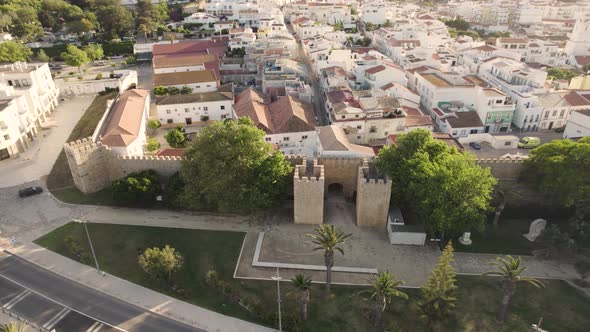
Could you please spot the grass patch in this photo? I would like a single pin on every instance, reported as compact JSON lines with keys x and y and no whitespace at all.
{"x":60,"y":176}
{"x":505,"y":239}
{"x":117,"y":247}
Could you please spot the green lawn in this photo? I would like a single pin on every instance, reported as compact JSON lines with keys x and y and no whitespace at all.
{"x":505,"y":239}
{"x":60,"y":176}
{"x":117,"y":247}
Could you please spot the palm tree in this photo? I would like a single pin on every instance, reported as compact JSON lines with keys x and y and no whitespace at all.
{"x":328,"y":238}
{"x":384,"y":287}
{"x":12,"y":327}
{"x":510,"y":270}
{"x":303,"y":284}
{"x":145,"y":29}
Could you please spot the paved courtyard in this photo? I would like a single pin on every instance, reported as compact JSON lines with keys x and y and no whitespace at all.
{"x":38,"y":160}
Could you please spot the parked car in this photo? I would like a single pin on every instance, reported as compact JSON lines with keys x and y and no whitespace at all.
{"x":30,"y":191}
{"x":529,"y":142}
{"x":475,"y":145}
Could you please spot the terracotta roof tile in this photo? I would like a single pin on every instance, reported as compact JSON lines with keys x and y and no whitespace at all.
{"x":188,"y":77}
{"x":125,"y":118}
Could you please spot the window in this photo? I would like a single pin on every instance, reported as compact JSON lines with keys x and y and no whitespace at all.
{"x":267,"y":139}
{"x":359,"y":127}
{"x":224,"y":116}
{"x":546,"y":114}
{"x":537,"y":119}
{"x":168,"y":111}
{"x":463,"y":132}
{"x":356,"y":115}
{"x":507,"y":143}
{"x":344,"y":117}
{"x":222,"y":107}
{"x":454,"y":133}
{"x":186,"y":110}
{"x":561,"y":114}
{"x":188,"y":121}
{"x":473,"y":131}
{"x":286,"y":138}
{"x":554,"y":113}
{"x":499,"y":101}
{"x":205,"y":108}
{"x":6,"y":137}
{"x":169,"y":121}
{"x":304,"y":137}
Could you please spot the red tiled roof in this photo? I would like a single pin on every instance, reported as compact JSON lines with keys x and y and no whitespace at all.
{"x":582,"y":60}
{"x":576,"y":99}
{"x":411,"y":110}
{"x":418,"y":121}
{"x":199,"y":46}
{"x":170,"y":153}
{"x":124,"y":121}
{"x":485,"y":48}
{"x":376,"y":69}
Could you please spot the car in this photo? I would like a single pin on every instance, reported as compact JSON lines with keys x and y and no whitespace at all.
{"x":529,"y":142}
{"x":29,"y":191}
{"x":475,"y":145}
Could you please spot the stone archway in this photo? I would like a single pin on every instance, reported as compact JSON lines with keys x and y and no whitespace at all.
{"x":335,"y":192}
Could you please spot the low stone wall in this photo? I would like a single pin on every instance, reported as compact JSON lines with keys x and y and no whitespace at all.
{"x":503,"y":168}
{"x":75,"y":87}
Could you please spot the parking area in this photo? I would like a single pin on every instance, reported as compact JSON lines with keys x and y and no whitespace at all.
{"x":38,"y":159}
{"x":44,"y":312}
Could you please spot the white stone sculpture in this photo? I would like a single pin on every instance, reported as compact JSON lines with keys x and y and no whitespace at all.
{"x":535,"y":229}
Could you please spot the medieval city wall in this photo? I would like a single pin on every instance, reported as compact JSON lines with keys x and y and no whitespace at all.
{"x":308,"y":190}
{"x":341,"y":170}
{"x":503,"y":169}
{"x":372,"y":198}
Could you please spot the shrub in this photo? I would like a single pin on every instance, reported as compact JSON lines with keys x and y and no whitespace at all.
{"x":211,"y":278}
{"x":71,"y":73}
{"x":174,"y":190}
{"x":154,"y":124}
{"x":160,"y":90}
{"x":173,"y":90}
{"x":185,"y":90}
{"x":139,"y":188}
{"x":98,"y":77}
{"x":175,"y":138}
{"x":130,"y":60}
{"x":153,"y":145}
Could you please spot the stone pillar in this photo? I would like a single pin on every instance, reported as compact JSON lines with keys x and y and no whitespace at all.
{"x":308,"y":190}
{"x":372,"y":197}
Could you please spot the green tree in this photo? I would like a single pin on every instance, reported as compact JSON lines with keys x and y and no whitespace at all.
{"x":438,"y":296}
{"x":154,"y":124}
{"x":388,"y":23}
{"x":302,"y":284}
{"x":561,"y":170}
{"x":328,"y":239}
{"x":369,"y":26}
{"x":137,"y":188}
{"x":12,"y":51}
{"x":586,"y":68}
{"x":160,"y":90}
{"x":229,"y":167}
{"x":152,"y":145}
{"x":114,"y":19}
{"x":338,"y":26}
{"x":94,"y":52}
{"x":175,"y":138}
{"x":510,"y":271}
{"x":561,"y":74}
{"x":445,"y":188}
{"x":185,"y":90}
{"x":384,"y":288}
{"x":145,"y":29}
{"x":458,"y":24}
{"x":161,"y":262}
{"x":12,"y":327}
{"x":41,"y":56}
{"x":74,"y":56}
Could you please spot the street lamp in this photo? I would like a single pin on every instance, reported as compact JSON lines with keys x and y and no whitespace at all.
{"x":89,"y":242}
{"x":278,"y":280}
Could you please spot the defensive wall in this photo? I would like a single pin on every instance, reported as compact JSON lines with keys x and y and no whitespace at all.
{"x":94,"y":166}
{"x":504,"y":168}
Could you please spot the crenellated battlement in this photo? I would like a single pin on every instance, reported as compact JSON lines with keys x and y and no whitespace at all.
{"x":150,"y":158}
{"x":517,"y":160}
{"x":308,"y":190}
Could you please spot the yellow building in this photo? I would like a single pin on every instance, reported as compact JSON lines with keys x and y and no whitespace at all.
{"x":580,"y":83}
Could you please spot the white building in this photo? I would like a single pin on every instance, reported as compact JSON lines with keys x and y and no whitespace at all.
{"x":123,"y":129}
{"x":559,"y":105}
{"x":458,"y":124}
{"x":30,"y":89}
{"x":199,"y":81}
{"x":578,"y":125}
{"x":579,"y":42}
{"x":194,"y":108}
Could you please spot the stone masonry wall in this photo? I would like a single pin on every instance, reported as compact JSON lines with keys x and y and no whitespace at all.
{"x":372,"y":198}
{"x":308,"y":189}
{"x":503,"y":168}
{"x":94,"y":166}
{"x":341,"y":170}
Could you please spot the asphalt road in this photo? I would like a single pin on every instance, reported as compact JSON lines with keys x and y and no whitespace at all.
{"x":54,"y":302}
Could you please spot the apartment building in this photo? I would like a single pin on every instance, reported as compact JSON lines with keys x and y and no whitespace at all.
{"x":28,"y":90}
{"x":559,"y":105}
{"x":451,"y":92}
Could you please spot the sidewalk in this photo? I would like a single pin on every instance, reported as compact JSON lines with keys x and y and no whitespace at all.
{"x":150,"y":300}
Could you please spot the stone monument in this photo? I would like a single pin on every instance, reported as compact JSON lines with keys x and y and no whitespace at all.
{"x":466,"y":239}
{"x":535,"y":229}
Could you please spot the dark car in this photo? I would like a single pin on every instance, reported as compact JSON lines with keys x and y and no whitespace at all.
{"x":30,"y":191}
{"x":475,"y":145}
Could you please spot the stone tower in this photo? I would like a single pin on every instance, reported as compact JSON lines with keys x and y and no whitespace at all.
{"x":89,"y":164}
{"x":308,"y":190}
{"x":372,"y":198}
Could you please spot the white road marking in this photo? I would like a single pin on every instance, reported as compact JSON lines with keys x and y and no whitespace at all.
{"x":55,"y":319}
{"x":16,"y":299}
{"x":93,"y":326}
{"x":29,"y":290}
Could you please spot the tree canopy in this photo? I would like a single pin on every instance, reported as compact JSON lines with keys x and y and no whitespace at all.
{"x":229,"y":167}
{"x":73,"y":56}
{"x":12,"y":51}
{"x":561,"y":169}
{"x":94,"y":52}
{"x":458,"y":24}
{"x":441,"y":186}
{"x":161,"y":262}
